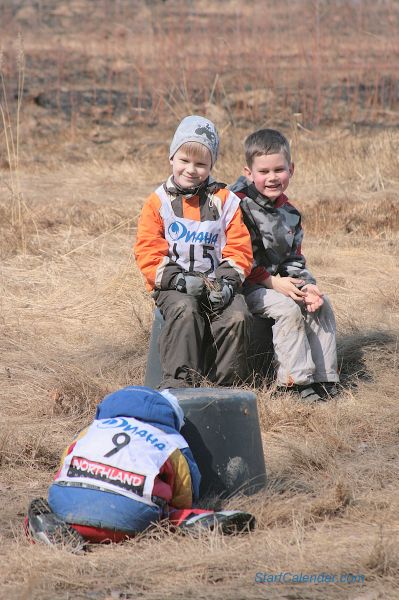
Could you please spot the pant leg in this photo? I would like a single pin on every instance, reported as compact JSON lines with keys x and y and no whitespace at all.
{"x":181,"y":339}
{"x":230,"y":331}
{"x":292,"y":350}
{"x":321,"y":333}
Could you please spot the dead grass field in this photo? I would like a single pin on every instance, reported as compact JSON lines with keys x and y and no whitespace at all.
{"x":75,"y":319}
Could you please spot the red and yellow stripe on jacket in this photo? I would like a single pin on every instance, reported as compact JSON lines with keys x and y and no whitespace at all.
{"x":152,"y":250}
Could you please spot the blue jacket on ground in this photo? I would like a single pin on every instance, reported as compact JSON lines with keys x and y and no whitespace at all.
{"x":101,"y":482}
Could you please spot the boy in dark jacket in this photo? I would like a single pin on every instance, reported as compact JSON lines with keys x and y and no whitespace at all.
{"x":280,"y":286}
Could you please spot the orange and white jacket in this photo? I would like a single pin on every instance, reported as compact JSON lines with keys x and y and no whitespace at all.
{"x":203,"y":233}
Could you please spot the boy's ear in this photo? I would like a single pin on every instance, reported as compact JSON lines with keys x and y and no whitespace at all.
{"x":248,"y":173}
{"x":292,"y":168}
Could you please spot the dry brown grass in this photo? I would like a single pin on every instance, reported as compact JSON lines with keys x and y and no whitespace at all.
{"x":75,"y":319}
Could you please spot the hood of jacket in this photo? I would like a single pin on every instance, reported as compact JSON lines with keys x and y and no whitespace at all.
{"x":142,"y":403}
{"x":239,"y":185}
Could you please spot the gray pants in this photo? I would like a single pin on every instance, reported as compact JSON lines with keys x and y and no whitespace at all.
{"x":304,"y":343}
{"x":196,"y":342}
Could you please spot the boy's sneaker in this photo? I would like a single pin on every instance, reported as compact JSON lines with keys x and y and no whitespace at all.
{"x":304,"y":393}
{"x":328,"y":389}
{"x":307,"y":393}
{"x":45,"y":526}
{"x":228,"y":522}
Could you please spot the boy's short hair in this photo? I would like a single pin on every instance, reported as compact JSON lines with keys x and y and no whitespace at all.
{"x":197,"y":151}
{"x":266,"y":141}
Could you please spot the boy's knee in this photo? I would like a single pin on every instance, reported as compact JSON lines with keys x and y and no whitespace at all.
{"x":237,"y":314}
{"x":291,"y":310}
{"x":238,"y":323}
{"x":185,"y":303}
{"x":179,"y":306}
{"x":183,"y":311}
{"x":289,"y":318}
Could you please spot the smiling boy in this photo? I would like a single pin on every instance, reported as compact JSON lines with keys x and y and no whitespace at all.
{"x":280,"y":286}
{"x":195,"y":252}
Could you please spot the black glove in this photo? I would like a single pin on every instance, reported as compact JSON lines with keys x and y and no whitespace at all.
{"x":221,"y":297}
{"x":189,"y":284}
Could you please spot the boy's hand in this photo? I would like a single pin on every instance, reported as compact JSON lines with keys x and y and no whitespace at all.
{"x":286,"y":286}
{"x":313,"y":297}
{"x":221,"y":298}
{"x":189,"y":284}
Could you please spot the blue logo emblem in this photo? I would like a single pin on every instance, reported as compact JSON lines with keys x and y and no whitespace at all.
{"x":177,"y":230}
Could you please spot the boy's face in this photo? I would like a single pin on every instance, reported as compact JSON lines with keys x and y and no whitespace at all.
{"x":190,"y":171}
{"x":271,"y":174}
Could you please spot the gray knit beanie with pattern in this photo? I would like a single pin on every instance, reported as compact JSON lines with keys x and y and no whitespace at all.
{"x":196,"y":129}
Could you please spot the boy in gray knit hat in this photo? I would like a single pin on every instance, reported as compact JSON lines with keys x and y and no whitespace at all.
{"x":195,"y":252}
